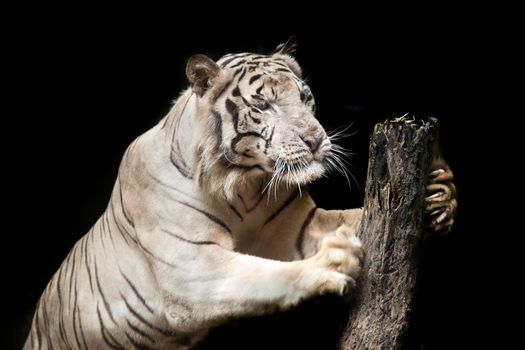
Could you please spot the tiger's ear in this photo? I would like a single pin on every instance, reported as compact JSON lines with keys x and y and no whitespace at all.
{"x":201,"y":72}
{"x":285,"y":51}
{"x":286,"y":48}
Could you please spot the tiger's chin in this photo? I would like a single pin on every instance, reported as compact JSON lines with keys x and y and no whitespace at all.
{"x":305,"y":175}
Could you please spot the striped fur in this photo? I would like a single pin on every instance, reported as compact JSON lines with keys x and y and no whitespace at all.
{"x":208,"y":219}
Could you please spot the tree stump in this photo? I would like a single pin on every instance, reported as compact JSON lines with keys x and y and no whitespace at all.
{"x":391,"y":231}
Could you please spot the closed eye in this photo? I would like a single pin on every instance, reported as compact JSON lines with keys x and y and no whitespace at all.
{"x":263,"y":105}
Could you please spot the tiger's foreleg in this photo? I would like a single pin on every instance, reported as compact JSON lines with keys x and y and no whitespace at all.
{"x":226,"y":284}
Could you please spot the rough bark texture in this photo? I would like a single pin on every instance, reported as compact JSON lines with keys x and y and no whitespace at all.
{"x":391,"y":233}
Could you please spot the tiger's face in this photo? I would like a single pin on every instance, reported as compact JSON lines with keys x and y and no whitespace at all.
{"x":263,"y":116}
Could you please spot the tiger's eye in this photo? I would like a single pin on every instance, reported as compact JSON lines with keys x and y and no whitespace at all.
{"x":263,"y":106}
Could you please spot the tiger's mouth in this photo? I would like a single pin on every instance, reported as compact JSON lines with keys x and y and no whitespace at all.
{"x":305,"y":173}
{"x":298,"y":173}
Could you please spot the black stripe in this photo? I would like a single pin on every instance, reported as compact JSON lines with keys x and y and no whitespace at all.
{"x":280,"y":64}
{"x":86,"y":256}
{"x":249,"y":210}
{"x":269,"y":140}
{"x":217,"y":126}
{"x":234,"y":111}
{"x":82,"y":330}
{"x":60,"y":306}
{"x":283,"y":70}
{"x":137,"y":294}
{"x":165,"y":122}
{"x":224,"y":88}
{"x":104,"y":226}
{"x":259,"y":89}
{"x":136,"y":344}
{"x":157,"y":181}
{"x":157,"y":257}
{"x":240,"y":136}
{"x":175,"y":154}
{"x":187,"y":240}
{"x":32,"y":337}
{"x":300,"y":237}
{"x":46,"y":318}
{"x":106,"y":304}
{"x":237,"y":72}
{"x":140,"y":331}
{"x":71,"y":273}
{"x":228,"y":164}
{"x":99,"y":226}
{"x":109,"y":232}
{"x":208,"y":215}
{"x":245,"y":101}
{"x":254,"y":78}
{"x":236,"y":92}
{"x":236,"y":212}
{"x":146,"y":322}
{"x":232,"y":108}
{"x":237,"y":64}
{"x":184,"y":171}
{"x":63,"y":334}
{"x":255,"y":120}
{"x":102,"y":230}
{"x":255,"y":110}
{"x":243,"y":73}
{"x":298,"y":152}
{"x":225,"y":63}
{"x":37,"y":326}
{"x":121,"y":229}
{"x":282,"y":207}
{"x":122,"y":205}
{"x":103,"y":330}
{"x":74,"y":316}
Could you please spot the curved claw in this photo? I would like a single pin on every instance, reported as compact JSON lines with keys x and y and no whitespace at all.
{"x":440,"y":200}
{"x":437,"y":172}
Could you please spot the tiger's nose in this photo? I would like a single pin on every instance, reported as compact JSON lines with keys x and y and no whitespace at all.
{"x":313,"y":140}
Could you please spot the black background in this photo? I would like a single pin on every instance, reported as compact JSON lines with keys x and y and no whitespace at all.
{"x":83,"y":87}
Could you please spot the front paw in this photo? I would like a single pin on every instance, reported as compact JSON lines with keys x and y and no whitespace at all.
{"x":440,"y":200}
{"x":337,"y":264}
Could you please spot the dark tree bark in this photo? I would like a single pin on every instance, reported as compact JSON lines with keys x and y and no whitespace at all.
{"x":391,"y":231}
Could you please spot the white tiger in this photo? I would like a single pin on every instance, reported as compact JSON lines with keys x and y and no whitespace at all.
{"x":209,"y":220}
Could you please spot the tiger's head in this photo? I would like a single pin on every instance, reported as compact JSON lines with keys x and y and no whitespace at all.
{"x":258,"y":120}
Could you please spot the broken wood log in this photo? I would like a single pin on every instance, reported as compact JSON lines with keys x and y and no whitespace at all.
{"x":391,"y":231}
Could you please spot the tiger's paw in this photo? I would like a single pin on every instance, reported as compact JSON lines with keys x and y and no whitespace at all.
{"x":440,"y":200}
{"x":336,"y":265}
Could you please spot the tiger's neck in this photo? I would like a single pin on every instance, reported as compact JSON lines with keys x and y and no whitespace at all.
{"x":182,"y":134}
